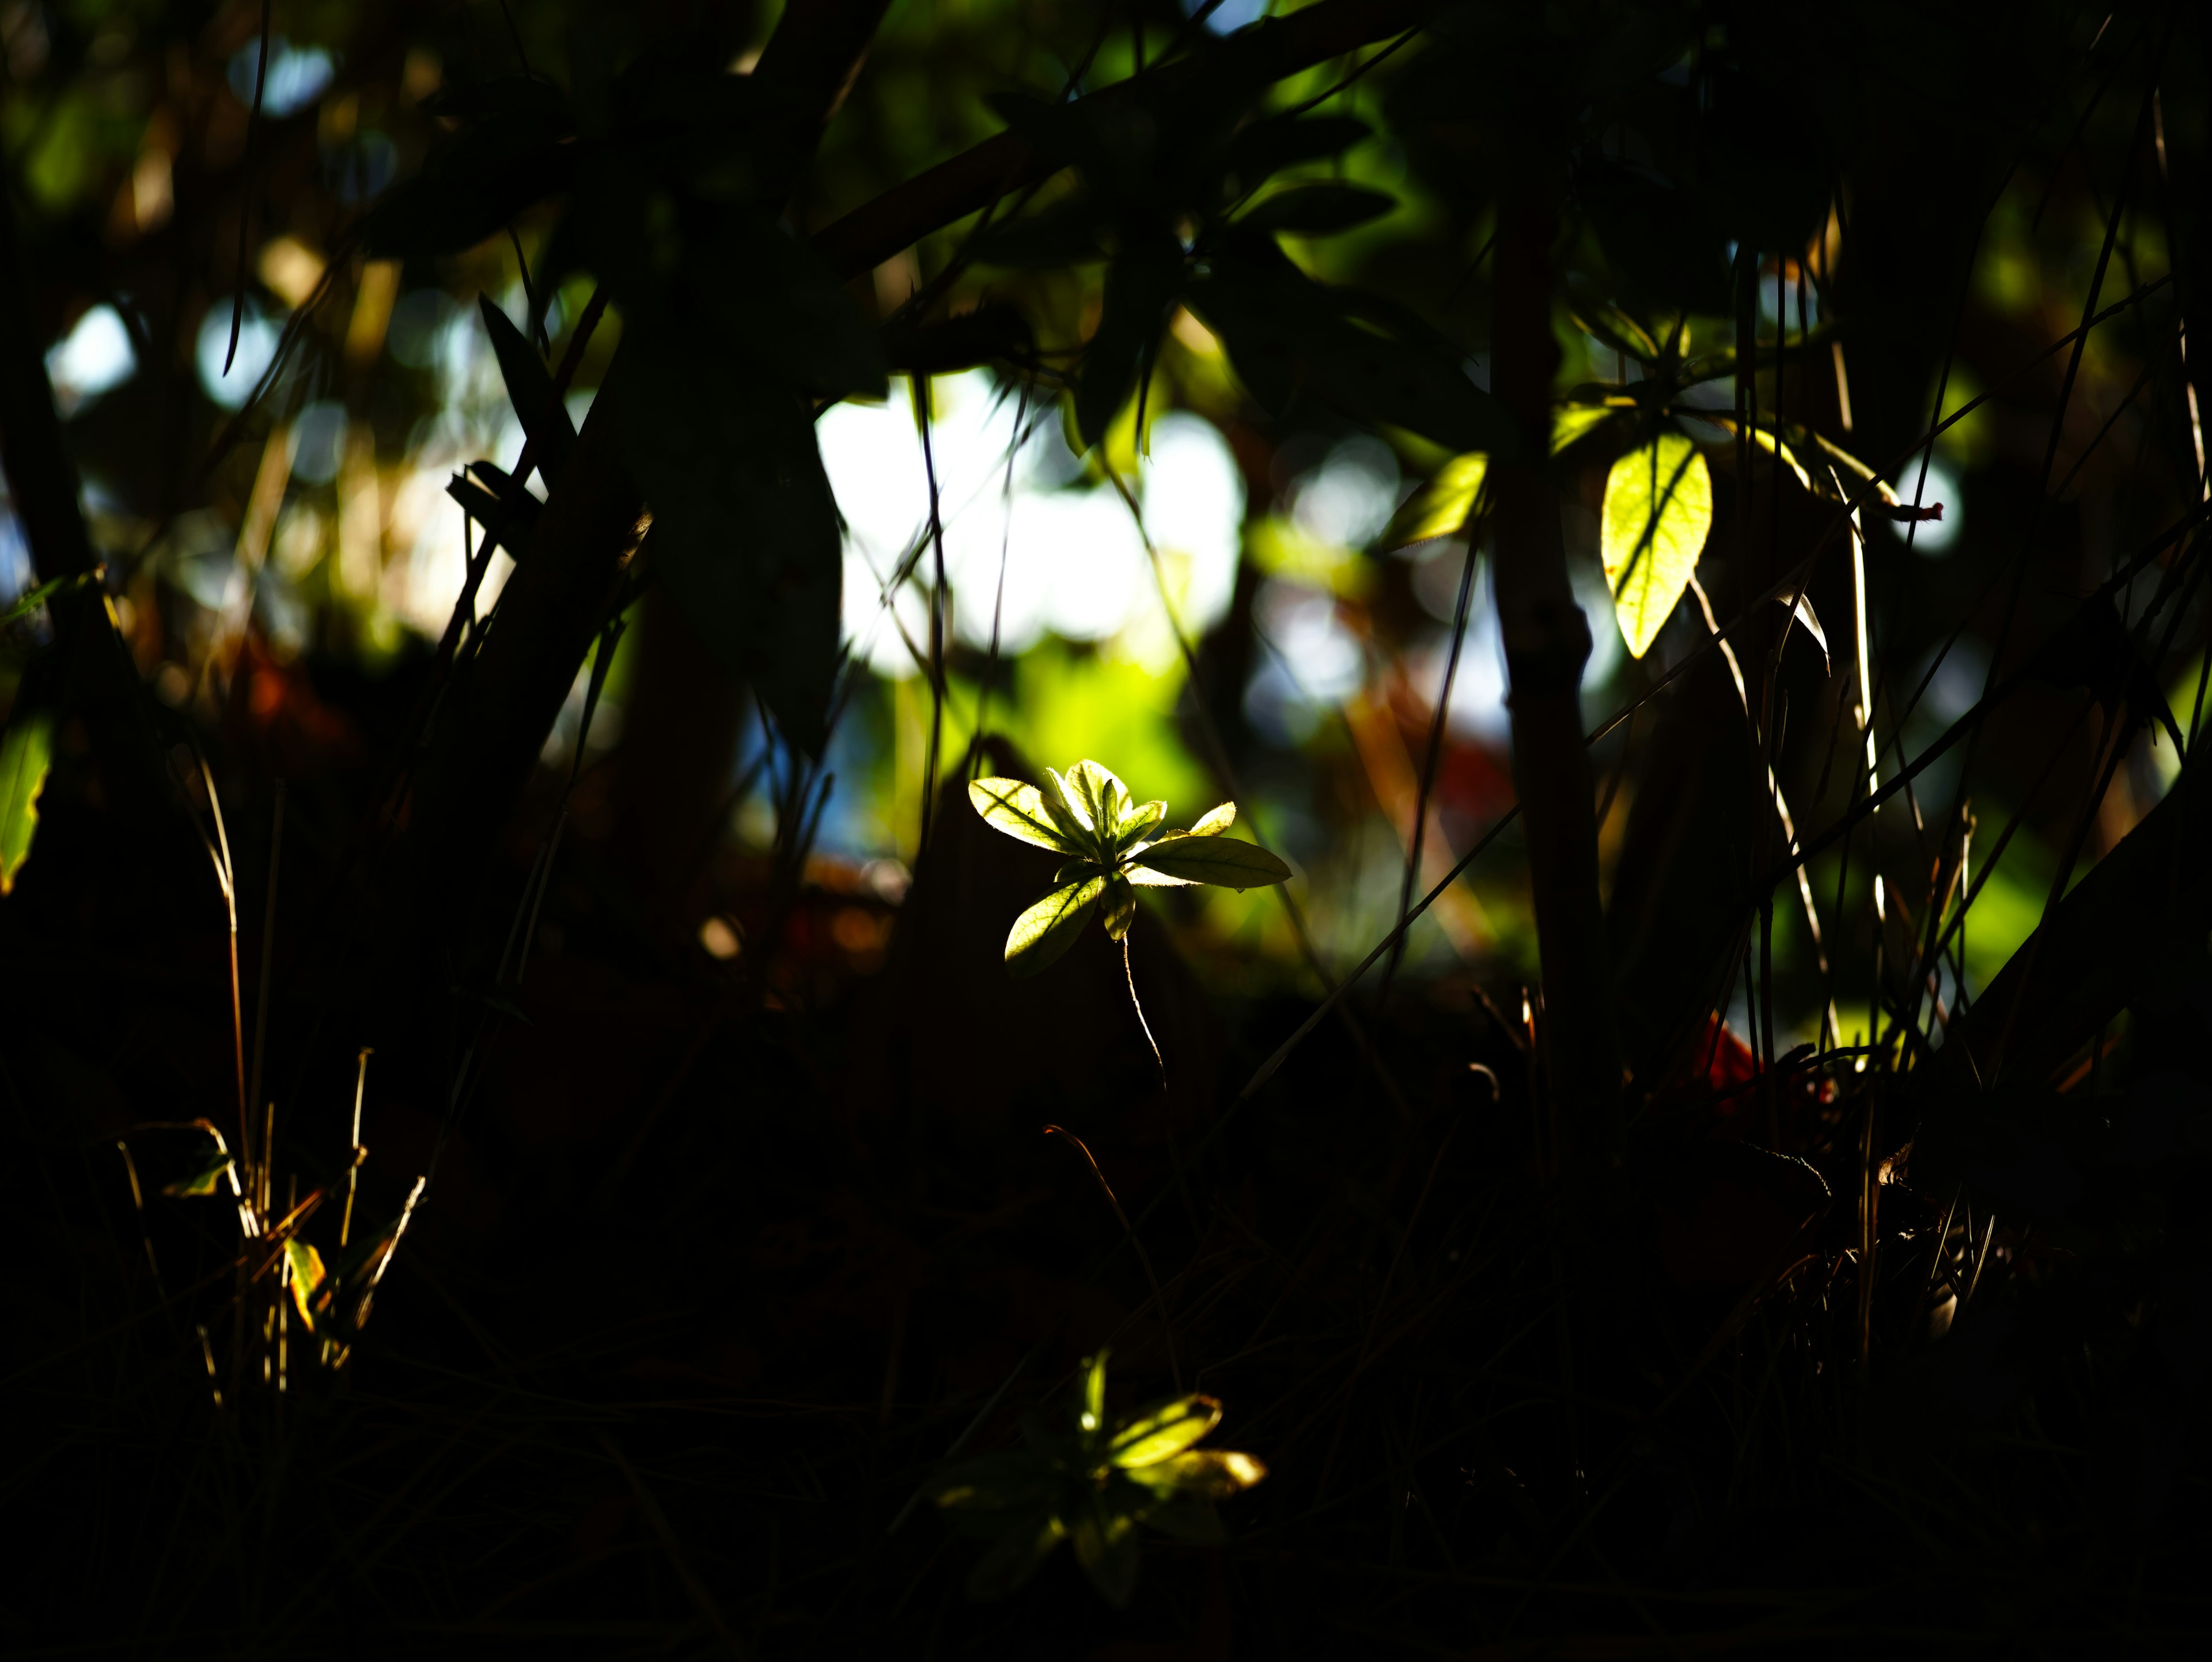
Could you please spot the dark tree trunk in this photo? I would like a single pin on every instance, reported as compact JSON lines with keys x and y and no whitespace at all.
{"x":1547,"y":644}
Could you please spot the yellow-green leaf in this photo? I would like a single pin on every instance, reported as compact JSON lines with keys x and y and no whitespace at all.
{"x":1658,"y":508}
{"x":1071,"y":816}
{"x":306,"y":1277}
{"x":1440,"y":507}
{"x":1020,"y":811}
{"x":1139,"y":821}
{"x":26,"y":753}
{"x":1221,"y":861}
{"x":1103,"y":798}
{"x":1212,"y":1474}
{"x":1049,"y":928}
{"x":1216,"y":822}
{"x":1094,"y":1391}
{"x":1106,"y":1546}
{"x":203,"y":1179}
{"x":1571,"y":422}
{"x":1165,"y":1430}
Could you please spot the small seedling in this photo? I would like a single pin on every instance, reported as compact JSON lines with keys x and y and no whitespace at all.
{"x":1075,"y":1479}
{"x":1114,"y":848}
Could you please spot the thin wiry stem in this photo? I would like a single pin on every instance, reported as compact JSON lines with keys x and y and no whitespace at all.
{"x":1175,"y":1367}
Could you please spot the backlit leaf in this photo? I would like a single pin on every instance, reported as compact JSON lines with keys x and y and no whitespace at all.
{"x":1103,"y":798}
{"x":1094,"y":1391}
{"x":1220,"y":861}
{"x":203,"y":1179}
{"x":1211,"y":1473}
{"x":29,"y":601}
{"x":1019,"y":810}
{"x":1068,"y":811}
{"x":1571,"y":422}
{"x":26,"y":753}
{"x":1658,"y":508}
{"x":1138,"y":822}
{"x":1216,"y":821}
{"x":1145,"y":878}
{"x":1121,"y":908}
{"x":1167,"y":1429}
{"x":1439,"y":509}
{"x":306,"y":1277}
{"x":1049,"y":928}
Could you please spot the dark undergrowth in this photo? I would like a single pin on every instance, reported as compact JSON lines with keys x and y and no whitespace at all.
{"x":715,"y":1276}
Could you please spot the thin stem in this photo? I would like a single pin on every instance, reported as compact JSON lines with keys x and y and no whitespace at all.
{"x":1175,"y":1367}
{"x":1139,"y":1008}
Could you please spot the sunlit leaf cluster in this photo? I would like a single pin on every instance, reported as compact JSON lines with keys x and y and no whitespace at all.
{"x":1078,"y":1478}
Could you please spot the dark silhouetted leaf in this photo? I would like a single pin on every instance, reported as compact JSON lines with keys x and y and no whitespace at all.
{"x":544,"y":418}
{"x":509,"y":520}
{"x":1065,"y":234}
{"x":1106,"y":1546}
{"x":988,"y":334}
{"x":1664,"y":240}
{"x":1141,"y":284}
{"x":1013,"y":1558}
{"x":1317,"y":210}
{"x":468,"y":191}
{"x":1265,"y":147}
{"x":1292,"y":339}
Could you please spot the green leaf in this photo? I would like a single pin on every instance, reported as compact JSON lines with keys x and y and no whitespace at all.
{"x":1216,"y":821}
{"x":1221,"y":861}
{"x":306,"y":1277}
{"x":1293,"y":340}
{"x":1049,"y":928}
{"x":1317,"y":210}
{"x":1140,"y":287}
{"x":1121,"y":905}
{"x":1094,"y":1391}
{"x":1571,"y":422}
{"x":1139,"y":821}
{"x":1020,"y":810}
{"x":544,"y":418}
{"x":745,"y":533}
{"x":25,"y":604}
{"x":203,"y":1179}
{"x":26,"y":753}
{"x":1165,"y":1429}
{"x":1658,"y":508}
{"x":1103,"y":798}
{"x":1013,"y":1558}
{"x":1440,"y":507}
{"x":1106,"y":1546}
{"x":1210,"y":1474}
{"x":1068,"y":813}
